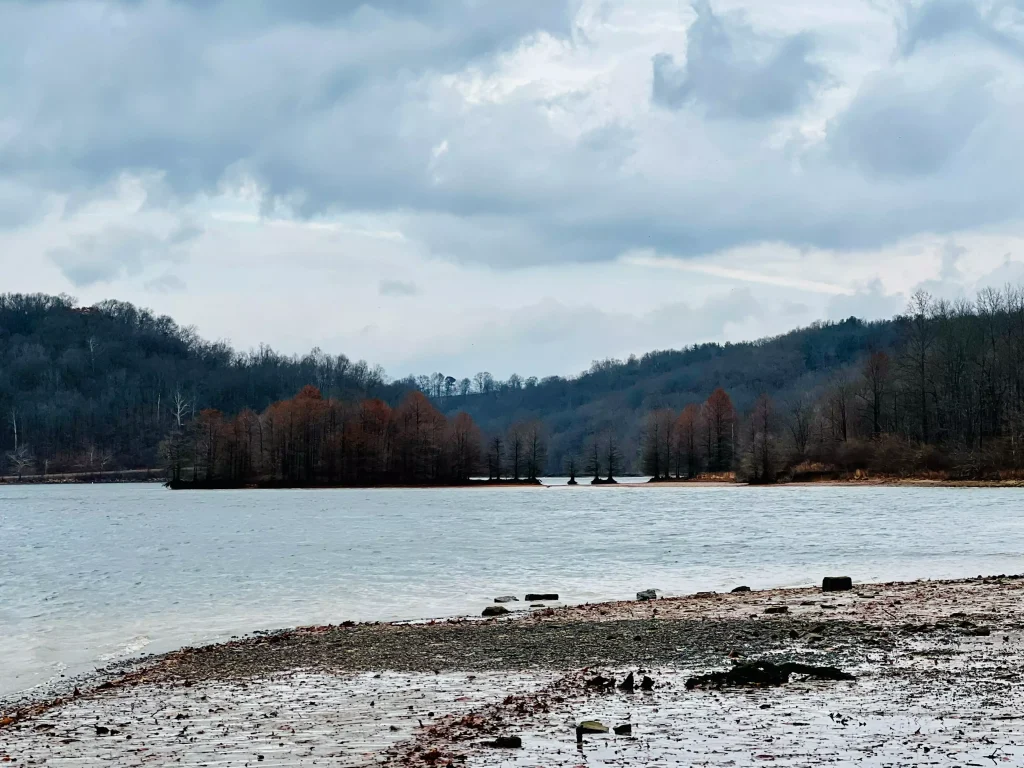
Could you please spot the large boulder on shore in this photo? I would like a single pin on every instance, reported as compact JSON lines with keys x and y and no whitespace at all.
{"x":647,"y":594}
{"x":506,"y":599}
{"x":836,"y":584}
{"x":737,"y":590}
{"x":495,"y":610}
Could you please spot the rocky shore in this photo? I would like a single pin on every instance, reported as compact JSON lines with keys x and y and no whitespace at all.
{"x":924,"y":672}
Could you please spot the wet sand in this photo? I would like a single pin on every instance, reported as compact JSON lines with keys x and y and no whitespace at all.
{"x":937,"y":668}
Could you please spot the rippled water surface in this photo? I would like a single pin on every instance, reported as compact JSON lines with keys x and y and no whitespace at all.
{"x":89,"y":574}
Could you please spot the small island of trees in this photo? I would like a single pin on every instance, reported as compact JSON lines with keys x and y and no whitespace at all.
{"x":311,"y":441}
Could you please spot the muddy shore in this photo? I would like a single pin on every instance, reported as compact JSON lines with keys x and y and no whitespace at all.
{"x":937,"y":668}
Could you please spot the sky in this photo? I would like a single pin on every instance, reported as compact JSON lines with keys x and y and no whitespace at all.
{"x":527,"y":186}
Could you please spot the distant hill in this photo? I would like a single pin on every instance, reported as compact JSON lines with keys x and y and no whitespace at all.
{"x":98,"y":388}
{"x":613,"y":396}
{"x":89,"y":389}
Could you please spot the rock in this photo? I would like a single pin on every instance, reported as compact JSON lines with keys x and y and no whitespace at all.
{"x":647,"y":684}
{"x":537,"y":605}
{"x":704,"y":594}
{"x":647,"y":594}
{"x":626,"y":729}
{"x":600,"y":682}
{"x":764,"y":673}
{"x":776,"y":609}
{"x":979,"y":632}
{"x":506,"y":742}
{"x":506,"y":599}
{"x":741,"y":589}
{"x":495,"y":610}
{"x":836,"y":584}
{"x":589,"y":726}
{"x":628,"y":684}
{"x":535,"y":597}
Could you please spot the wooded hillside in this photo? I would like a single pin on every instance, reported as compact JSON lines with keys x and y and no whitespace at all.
{"x":97,"y":388}
{"x":938,"y":388}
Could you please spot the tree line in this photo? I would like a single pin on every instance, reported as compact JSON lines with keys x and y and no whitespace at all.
{"x":939,"y":388}
{"x":309,"y":440}
{"x":96,"y":388}
{"x":948,"y":399}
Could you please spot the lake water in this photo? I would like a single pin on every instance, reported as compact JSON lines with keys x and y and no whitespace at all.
{"x":91,"y":574}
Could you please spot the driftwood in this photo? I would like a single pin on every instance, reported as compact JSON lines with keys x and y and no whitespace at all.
{"x":765,"y":674}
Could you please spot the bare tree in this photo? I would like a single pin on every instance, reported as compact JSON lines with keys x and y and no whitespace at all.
{"x":571,"y":466}
{"x":14,"y":426}
{"x":611,"y":457}
{"x":20,"y":459}
{"x":840,"y":401}
{"x":801,"y":417}
{"x":874,"y":388}
{"x":917,"y":357}
{"x":536,"y":450}
{"x":495,"y":457}
{"x":182,"y":406}
{"x":93,"y":345}
{"x":762,"y":447}
{"x":516,"y":449}
{"x":593,"y":461}
{"x":687,"y":431}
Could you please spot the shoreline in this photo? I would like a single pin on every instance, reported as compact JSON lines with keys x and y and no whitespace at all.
{"x":150,"y":477}
{"x":528,"y":672}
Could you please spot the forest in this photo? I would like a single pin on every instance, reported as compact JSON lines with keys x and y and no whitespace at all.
{"x":92,"y":389}
{"x":937,"y":389}
{"x":310,"y":441}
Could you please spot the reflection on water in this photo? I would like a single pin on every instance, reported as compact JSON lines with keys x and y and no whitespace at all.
{"x":89,"y":573}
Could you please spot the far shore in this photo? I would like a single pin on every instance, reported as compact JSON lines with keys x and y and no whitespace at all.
{"x":915,"y":667}
{"x":855,"y":480}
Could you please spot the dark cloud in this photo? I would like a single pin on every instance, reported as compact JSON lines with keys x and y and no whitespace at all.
{"x":898,"y":125}
{"x":326,"y":115}
{"x":732,"y":71}
{"x":412,"y":110}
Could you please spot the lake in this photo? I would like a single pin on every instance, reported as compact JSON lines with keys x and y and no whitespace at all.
{"x":92,"y":574}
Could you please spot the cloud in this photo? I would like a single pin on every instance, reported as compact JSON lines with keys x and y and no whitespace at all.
{"x":166,"y":283}
{"x":935,"y":21}
{"x":208,"y":93}
{"x":396,"y":288}
{"x":551,"y":335}
{"x":733,"y":71}
{"x":514,"y":134}
{"x":905,"y":126}
{"x":741,"y":275}
{"x":111,"y":254}
{"x":871,"y":302}
{"x":481,"y":152}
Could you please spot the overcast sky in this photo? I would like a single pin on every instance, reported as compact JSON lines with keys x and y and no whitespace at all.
{"x":509,"y":185}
